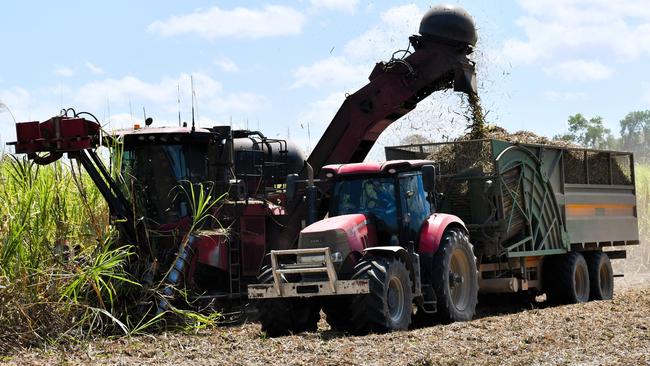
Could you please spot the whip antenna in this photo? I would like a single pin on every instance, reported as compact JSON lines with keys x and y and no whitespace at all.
{"x":178,"y":88}
{"x":192,"y":86}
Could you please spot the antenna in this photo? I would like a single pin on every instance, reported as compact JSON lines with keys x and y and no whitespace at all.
{"x":192,"y":86}
{"x":144,"y":114}
{"x":108,"y":108}
{"x":131,"y":110}
{"x":308,"y":136}
{"x":178,"y":87}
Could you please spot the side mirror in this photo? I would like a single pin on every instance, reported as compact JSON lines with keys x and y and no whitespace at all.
{"x":292,"y":186}
{"x":429,"y":178}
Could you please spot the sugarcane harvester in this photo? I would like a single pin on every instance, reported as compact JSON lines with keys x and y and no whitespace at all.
{"x":217,"y":260}
{"x":152,"y":192}
{"x":416,"y":239}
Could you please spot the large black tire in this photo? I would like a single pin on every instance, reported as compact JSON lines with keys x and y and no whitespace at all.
{"x":389,"y":304}
{"x":566,"y":279}
{"x":601,"y":276}
{"x":455,"y":277}
{"x":280,"y":317}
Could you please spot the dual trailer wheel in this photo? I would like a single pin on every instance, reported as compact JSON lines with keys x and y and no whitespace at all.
{"x":578,"y":277}
{"x":389,"y":304}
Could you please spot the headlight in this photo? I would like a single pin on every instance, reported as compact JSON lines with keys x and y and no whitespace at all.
{"x":319,"y":258}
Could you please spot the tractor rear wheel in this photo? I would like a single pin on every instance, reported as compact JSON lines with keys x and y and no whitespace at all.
{"x":566,"y":279}
{"x":389,"y":304}
{"x":285,"y":316}
{"x":601,"y":276}
{"x":455,"y":277}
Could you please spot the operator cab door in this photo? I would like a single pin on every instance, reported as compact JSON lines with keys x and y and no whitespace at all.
{"x":415,"y":206}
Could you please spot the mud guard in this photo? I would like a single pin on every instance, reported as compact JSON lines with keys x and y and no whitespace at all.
{"x":432,"y":230}
{"x":412,"y":262}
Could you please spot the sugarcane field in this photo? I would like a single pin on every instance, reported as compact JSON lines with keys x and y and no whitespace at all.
{"x":325,"y":182}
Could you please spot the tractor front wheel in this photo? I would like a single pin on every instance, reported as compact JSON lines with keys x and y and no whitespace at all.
{"x":455,"y":278}
{"x":389,"y":304}
{"x":284,"y":316}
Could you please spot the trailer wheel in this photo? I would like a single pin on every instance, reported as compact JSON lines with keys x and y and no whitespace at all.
{"x":568,"y":280}
{"x":601,"y":276}
{"x":455,"y":277}
{"x":389,"y":304}
{"x":280,"y":317}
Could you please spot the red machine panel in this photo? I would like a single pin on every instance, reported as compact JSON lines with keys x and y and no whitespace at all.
{"x":57,"y":134}
{"x":253,"y":243}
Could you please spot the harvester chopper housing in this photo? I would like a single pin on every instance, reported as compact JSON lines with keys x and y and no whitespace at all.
{"x":246,"y":167}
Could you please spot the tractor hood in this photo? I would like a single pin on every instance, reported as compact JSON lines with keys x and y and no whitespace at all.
{"x":343,"y":234}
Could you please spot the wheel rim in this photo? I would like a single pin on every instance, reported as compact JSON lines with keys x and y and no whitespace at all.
{"x":605,"y":281}
{"x":581,"y":278}
{"x":459,"y":279}
{"x":395,"y":299}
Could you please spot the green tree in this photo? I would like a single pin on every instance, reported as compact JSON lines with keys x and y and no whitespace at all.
{"x":588,"y":132}
{"x":635,"y":133}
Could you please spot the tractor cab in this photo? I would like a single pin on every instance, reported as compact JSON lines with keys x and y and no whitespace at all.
{"x":392,"y":195}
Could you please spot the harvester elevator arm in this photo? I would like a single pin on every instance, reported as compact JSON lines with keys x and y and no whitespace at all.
{"x":439,"y":61}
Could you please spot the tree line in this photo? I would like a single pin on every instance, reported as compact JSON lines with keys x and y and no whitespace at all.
{"x":591,"y":133}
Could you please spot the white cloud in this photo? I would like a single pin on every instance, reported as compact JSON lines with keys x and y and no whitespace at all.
{"x":621,"y":28}
{"x":239,"y":102}
{"x":113,"y":100}
{"x":331,"y":71}
{"x":130,"y":88}
{"x":64,"y":71}
{"x":94,"y":68}
{"x":225,"y":64}
{"x":646,"y":96}
{"x":352,"y":68}
{"x":380,"y":41}
{"x":240,"y":22}
{"x":321,"y":112}
{"x":564,"y":96}
{"x":346,"y":6}
{"x":579,"y":71}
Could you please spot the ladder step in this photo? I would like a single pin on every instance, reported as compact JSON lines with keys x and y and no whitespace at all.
{"x":302,"y":270}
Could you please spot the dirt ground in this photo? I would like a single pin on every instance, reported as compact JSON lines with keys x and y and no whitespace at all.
{"x":613,"y":332}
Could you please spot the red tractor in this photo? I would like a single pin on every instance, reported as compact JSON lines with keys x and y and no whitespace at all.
{"x":382,"y":250}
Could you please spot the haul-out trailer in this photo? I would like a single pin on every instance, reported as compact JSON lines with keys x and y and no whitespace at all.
{"x":157,"y":166}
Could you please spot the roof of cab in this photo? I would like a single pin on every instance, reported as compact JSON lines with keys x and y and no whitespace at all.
{"x":374,"y":168}
{"x":159,"y":130}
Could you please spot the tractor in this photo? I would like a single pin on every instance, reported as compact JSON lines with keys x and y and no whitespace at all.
{"x":382,"y":249}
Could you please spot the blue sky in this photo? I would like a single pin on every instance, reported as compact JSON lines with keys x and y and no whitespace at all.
{"x":282,"y":66}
